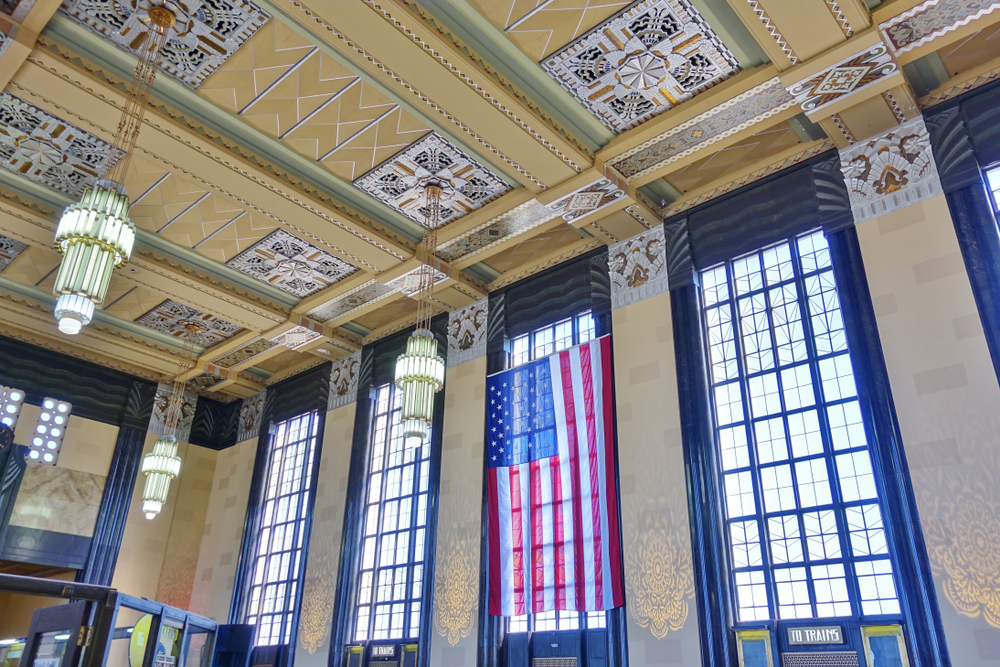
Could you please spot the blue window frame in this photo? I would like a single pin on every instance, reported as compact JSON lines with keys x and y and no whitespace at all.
{"x":278,"y":565}
{"x":802,"y":515}
{"x":524,"y":348}
{"x":394,"y":545}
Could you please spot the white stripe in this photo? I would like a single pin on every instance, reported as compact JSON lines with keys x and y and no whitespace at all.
{"x":528,"y":557}
{"x":549,"y":561}
{"x":597,"y":362}
{"x":566,"y":473}
{"x":586,"y":502}
{"x":506,"y":550}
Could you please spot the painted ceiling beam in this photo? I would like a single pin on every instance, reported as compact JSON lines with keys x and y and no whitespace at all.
{"x":18,"y":42}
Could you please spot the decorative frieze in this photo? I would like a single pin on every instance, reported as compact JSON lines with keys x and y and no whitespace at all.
{"x":157,"y":421}
{"x":467,"y":333}
{"x":890,"y":171}
{"x":932,"y":19}
{"x":638,"y":268}
{"x":849,"y":76}
{"x":250,"y":416}
{"x":344,"y":381}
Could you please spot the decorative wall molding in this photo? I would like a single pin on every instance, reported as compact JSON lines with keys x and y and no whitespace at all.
{"x":399,"y":180}
{"x":47,"y":149}
{"x":250,"y":416}
{"x":206,"y":34}
{"x":638,"y":268}
{"x":849,"y":76}
{"x":890,"y":171}
{"x":173,"y":318}
{"x":649,"y":58}
{"x":932,"y":19}
{"x":467,"y":333}
{"x":736,"y":114}
{"x":291,"y":264}
{"x":157,"y":421}
{"x":344,"y":381}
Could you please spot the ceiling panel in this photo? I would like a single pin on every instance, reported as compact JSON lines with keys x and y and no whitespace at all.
{"x":35,"y":265}
{"x":388,"y":313}
{"x":376,"y":144}
{"x":129,"y":302}
{"x":534,"y":248}
{"x":240,"y":233}
{"x":974,"y":51}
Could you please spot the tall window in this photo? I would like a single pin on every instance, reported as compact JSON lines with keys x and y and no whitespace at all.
{"x":278,"y":565}
{"x":528,"y":347}
{"x":390,"y":581}
{"x":993,"y":182}
{"x":803,"y":521}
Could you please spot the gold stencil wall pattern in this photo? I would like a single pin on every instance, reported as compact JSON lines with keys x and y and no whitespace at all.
{"x":319,"y":590}
{"x":456,"y":582}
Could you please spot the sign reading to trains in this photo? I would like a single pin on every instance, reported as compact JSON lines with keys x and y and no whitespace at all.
{"x":806,"y":636}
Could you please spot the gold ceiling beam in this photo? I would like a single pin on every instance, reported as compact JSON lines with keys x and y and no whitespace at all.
{"x":20,"y":32}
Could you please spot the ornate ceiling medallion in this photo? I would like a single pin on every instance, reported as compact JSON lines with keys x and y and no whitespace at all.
{"x":48,"y":150}
{"x":208,"y":32}
{"x":399,"y":182}
{"x":173,"y":319}
{"x":291,"y":264}
{"x":647,"y":59}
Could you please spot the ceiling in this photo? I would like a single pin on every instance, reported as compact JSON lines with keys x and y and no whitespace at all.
{"x":275,"y":185}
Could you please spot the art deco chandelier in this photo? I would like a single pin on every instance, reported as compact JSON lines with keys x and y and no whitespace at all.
{"x":95,"y":234}
{"x":420,"y":371}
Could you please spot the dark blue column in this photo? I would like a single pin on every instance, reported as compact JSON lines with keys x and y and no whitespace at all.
{"x":118,"y":487}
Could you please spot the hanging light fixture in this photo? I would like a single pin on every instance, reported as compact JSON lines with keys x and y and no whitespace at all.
{"x":162,"y":465}
{"x":95,"y":234}
{"x":420,"y":370}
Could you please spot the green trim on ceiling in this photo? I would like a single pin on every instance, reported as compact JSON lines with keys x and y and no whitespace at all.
{"x":49,"y":301}
{"x":58,"y":201}
{"x":120,"y":63}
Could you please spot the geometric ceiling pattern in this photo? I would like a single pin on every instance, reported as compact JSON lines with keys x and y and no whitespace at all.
{"x":291,"y":264}
{"x":206,"y":34}
{"x":643,"y":61}
{"x":399,"y":182}
{"x":48,"y":150}
{"x":176,"y":319}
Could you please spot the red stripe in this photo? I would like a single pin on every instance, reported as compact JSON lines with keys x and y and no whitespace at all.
{"x":610,"y":470}
{"x":574,"y":456}
{"x":496,"y":592}
{"x":537,"y":540}
{"x":558,"y":551}
{"x":517,"y":540}
{"x":587,"y":374}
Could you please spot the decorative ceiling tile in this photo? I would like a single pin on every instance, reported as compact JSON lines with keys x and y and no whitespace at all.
{"x":590,"y":198}
{"x":467,"y":333}
{"x":48,"y":150}
{"x":206,"y":34}
{"x":296,"y":337}
{"x":890,"y":171}
{"x":643,"y":61}
{"x":409,"y":283}
{"x":734,"y":115}
{"x":931,"y":19}
{"x":638,"y":268}
{"x":848,"y":76}
{"x":518,"y":220}
{"x":399,"y":181}
{"x":204,"y":381}
{"x":9,"y":249}
{"x":173,"y":318}
{"x":291,"y":264}
{"x":243,"y":353}
{"x":350,"y":301}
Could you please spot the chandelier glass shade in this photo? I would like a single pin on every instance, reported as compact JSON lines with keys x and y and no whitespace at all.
{"x":420,"y":370}
{"x":94,"y":236}
{"x":160,"y":466}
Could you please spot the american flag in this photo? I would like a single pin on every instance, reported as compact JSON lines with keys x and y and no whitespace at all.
{"x":553,"y":505}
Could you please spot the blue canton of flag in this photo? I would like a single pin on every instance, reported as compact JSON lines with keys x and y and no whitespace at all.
{"x":522,"y":425}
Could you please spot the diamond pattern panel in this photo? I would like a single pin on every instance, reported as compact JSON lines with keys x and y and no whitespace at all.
{"x":399,"y":182}
{"x":35,"y":265}
{"x":173,"y":319}
{"x":235,"y":236}
{"x":165,"y":202}
{"x":129,"y":302}
{"x":376,"y":144}
{"x":643,"y":61}
{"x":291,"y":264}
{"x":207,"y":216}
{"x":206,"y":34}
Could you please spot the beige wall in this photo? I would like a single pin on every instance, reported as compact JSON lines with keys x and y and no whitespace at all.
{"x":222,"y":532}
{"x":16,"y":609}
{"x":948,"y":403}
{"x":659,"y":581}
{"x":456,"y":577}
{"x":322,"y":568}
{"x":66,"y":497}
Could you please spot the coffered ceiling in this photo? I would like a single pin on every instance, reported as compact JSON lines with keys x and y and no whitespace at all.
{"x":276,"y":185}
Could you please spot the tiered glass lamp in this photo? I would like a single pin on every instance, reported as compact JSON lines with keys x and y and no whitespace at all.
{"x":160,"y":466}
{"x":95,"y":234}
{"x":420,"y":370}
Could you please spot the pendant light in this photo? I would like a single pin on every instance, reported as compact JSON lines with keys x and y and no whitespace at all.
{"x":420,"y":370}
{"x":95,"y":235}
